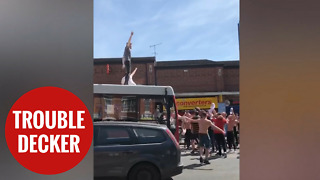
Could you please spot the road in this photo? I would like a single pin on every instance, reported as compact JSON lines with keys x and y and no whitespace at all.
{"x":220,"y":168}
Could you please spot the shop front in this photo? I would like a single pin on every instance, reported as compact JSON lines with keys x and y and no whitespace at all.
{"x":184,"y":104}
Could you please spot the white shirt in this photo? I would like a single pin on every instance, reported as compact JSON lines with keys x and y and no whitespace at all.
{"x":130,"y":81}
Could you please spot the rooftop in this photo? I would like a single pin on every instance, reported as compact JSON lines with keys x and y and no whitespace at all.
{"x":119,"y":60}
{"x":172,"y":63}
{"x":196,"y":63}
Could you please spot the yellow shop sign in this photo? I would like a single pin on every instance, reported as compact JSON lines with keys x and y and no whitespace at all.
{"x":191,"y":103}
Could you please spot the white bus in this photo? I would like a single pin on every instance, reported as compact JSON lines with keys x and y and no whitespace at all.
{"x":140,"y":103}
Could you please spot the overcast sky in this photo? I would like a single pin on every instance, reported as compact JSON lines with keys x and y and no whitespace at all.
{"x":187,"y":30}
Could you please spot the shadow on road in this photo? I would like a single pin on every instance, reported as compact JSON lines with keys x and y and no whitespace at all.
{"x":197,"y":167}
{"x":209,"y":158}
{"x":189,"y":154}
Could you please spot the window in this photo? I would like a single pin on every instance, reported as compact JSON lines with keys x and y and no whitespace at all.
{"x":129,"y":104}
{"x":97,"y":114}
{"x":146,"y":136}
{"x":151,"y":109}
{"x":172,"y":118}
{"x":147,"y":105}
{"x":112,"y":135}
{"x":95,"y":135}
{"x":219,"y":72}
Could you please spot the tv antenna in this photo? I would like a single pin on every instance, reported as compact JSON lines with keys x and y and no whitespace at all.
{"x":154,"y":48}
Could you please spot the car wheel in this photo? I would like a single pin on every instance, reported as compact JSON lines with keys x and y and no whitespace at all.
{"x":144,"y":172}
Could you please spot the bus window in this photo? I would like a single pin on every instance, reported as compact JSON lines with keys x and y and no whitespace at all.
{"x":129,"y":108}
{"x":151,"y":109}
{"x":159,"y":114}
{"x":97,"y":109}
{"x":115,"y":108}
{"x":172,"y":115}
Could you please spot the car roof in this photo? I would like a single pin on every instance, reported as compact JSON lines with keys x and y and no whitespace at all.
{"x":128,"y":123}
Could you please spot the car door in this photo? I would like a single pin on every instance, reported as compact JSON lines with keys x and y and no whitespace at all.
{"x":112,"y":149}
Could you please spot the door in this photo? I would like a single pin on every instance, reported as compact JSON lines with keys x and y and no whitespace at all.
{"x":112,"y":149}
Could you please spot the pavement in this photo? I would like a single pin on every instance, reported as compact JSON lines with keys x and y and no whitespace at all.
{"x":220,"y":168}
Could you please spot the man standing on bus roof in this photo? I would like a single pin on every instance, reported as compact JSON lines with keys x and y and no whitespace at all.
{"x":126,"y":59}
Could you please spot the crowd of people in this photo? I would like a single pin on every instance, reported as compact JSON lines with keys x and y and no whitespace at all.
{"x":209,"y":132}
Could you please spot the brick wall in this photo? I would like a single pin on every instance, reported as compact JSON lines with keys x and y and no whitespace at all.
{"x":231,"y":79}
{"x":116,"y":73}
{"x":188,"y":79}
{"x":192,"y":79}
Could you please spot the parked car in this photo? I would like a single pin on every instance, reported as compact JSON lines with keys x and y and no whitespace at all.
{"x":137,"y":151}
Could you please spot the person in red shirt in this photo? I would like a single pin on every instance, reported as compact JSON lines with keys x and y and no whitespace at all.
{"x":219,"y":136}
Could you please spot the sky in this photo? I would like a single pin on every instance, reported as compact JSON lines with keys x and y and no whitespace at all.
{"x":184,"y":30}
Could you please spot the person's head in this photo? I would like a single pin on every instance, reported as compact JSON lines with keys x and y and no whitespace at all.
{"x":215,"y":116}
{"x":231,"y":117}
{"x":224,"y":114}
{"x":220,"y":117}
{"x":197,"y":110}
{"x":202,"y":114}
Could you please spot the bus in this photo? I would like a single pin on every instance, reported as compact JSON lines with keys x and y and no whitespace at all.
{"x":139,"y":103}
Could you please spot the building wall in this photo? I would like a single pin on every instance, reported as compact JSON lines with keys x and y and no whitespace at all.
{"x":216,"y":78}
{"x":150,"y":73}
{"x":116,"y":73}
{"x":231,"y":79}
{"x":192,"y":79}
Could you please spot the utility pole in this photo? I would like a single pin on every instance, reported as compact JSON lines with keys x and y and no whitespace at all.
{"x":154,"y":48}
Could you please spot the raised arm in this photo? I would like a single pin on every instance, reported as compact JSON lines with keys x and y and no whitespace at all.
{"x":129,"y":41}
{"x":134,"y":71}
{"x":126,"y":53}
{"x":189,"y":119}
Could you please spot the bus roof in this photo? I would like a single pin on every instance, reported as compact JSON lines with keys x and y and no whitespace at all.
{"x":128,"y":89}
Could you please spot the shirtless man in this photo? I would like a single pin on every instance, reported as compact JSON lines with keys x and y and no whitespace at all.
{"x":236,"y":129}
{"x":204,"y":142}
{"x":188,"y":134}
{"x":230,"y":134}
{"x":195,"y":129}
{"x":190,"y":137}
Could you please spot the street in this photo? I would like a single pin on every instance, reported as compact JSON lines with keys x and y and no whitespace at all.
{"x":220,"y":168}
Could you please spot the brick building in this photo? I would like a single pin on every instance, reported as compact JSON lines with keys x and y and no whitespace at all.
{"x":190,"y":79}
{"x":144,"y":75}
